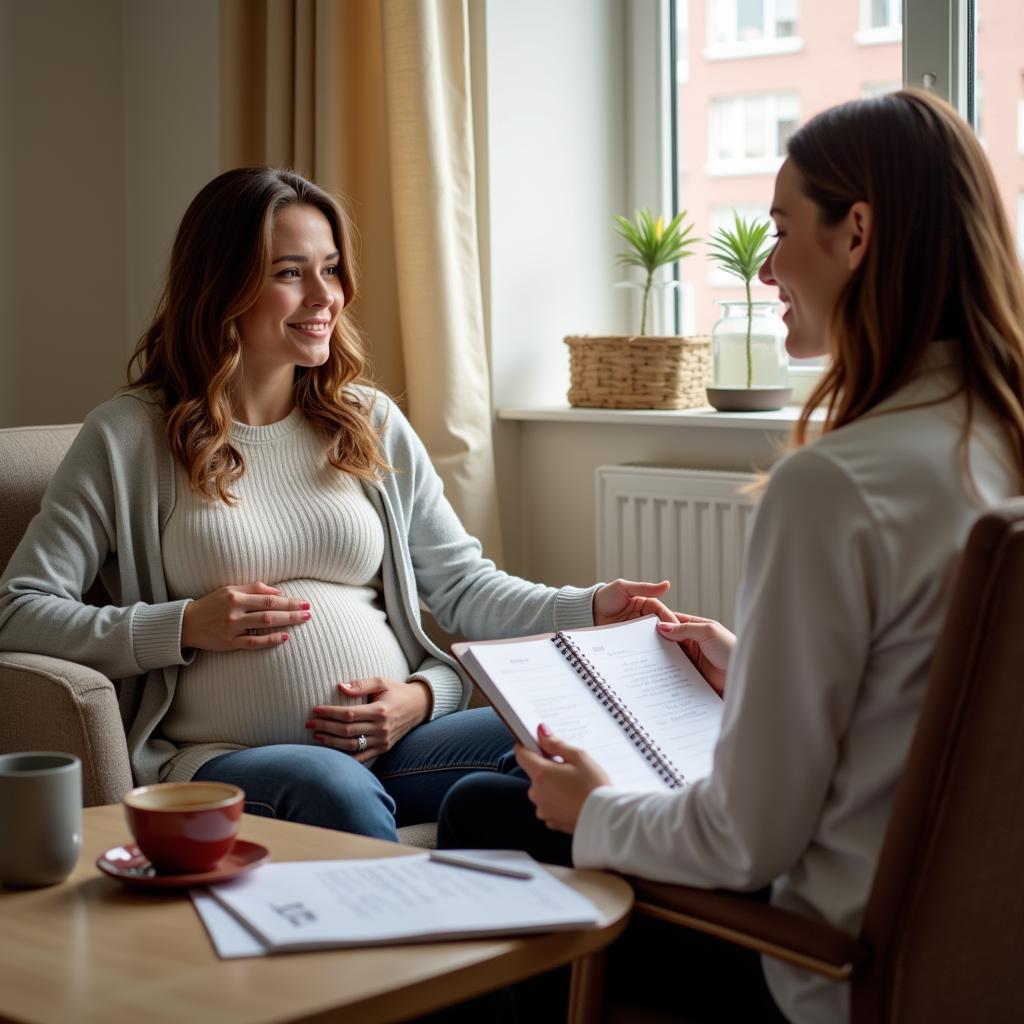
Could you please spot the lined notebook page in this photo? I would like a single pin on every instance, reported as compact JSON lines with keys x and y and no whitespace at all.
{"x":670,"y":698}
{"x":537,"y":684}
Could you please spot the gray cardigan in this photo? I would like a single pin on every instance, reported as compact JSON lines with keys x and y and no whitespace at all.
{"x":103,"y":514}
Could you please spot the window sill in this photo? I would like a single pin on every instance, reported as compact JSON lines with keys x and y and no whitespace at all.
{"x":758,"y":48}
{"x":878,"y":36}
{"x":780,"y":421}
{"x":743,"y":168}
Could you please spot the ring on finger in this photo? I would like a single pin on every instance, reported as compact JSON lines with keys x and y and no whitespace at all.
{"x":362,"y":744}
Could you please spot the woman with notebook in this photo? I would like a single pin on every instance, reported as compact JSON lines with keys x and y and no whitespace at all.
{"x":894,"y":258}
{"x":267,"y":525}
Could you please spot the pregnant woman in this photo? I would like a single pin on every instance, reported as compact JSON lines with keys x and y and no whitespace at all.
{"x":266,"y":526}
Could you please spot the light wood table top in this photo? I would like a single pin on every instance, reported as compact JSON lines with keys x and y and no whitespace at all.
{"x":95,"y":950}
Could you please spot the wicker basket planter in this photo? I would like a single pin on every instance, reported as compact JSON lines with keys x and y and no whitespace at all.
{"x":620,"y":372}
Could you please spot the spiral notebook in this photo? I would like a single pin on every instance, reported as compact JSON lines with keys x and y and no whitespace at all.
{"x":627,"y":696}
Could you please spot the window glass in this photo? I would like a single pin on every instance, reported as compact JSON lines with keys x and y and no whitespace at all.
{"x":749,"y":24}
{"x":756,"y":71}
{"x":884,"y":14}
{"x":999,"y":100}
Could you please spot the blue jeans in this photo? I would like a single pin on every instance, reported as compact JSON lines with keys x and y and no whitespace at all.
{"x":405,"y":786}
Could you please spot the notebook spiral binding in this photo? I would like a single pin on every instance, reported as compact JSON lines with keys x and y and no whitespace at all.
{"x":638,"y":735}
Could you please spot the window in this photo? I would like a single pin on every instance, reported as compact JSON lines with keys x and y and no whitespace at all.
{"x":744,"y":28}
{"x":881,"y":21}
{"x":748,"y":133}
{"x":881,"y":13}
{"x":731,"y":125}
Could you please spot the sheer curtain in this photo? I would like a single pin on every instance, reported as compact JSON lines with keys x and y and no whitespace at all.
{"x":371,"y":99}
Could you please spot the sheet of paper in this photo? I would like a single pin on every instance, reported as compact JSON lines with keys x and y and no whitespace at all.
{"x":537,"y":684}
{"x":321,"y":904}
{"x":230,"y":938}
{"x":662,"y":688}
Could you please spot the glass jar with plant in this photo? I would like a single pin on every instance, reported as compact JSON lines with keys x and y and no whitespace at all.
{"x":653,"y":244}
{"x":748,"y":343}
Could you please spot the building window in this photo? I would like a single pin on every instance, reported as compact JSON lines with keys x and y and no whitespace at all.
{"x":883,"y":13}
{"x":881,"y":21}
{"x":748,"y":133}
{"x":746,"y":28}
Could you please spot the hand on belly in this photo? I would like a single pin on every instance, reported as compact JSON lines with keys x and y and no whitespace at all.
{"x":368,"y":730}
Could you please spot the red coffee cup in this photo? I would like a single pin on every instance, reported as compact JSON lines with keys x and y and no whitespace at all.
{"x":184,"y":827}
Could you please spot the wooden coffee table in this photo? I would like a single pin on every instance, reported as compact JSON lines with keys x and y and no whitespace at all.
{"x":94,"y":950}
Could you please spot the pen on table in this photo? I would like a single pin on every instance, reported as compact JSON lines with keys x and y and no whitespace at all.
{"x":459,"y":861}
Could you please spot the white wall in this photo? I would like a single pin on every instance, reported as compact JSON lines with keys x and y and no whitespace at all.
{"x":556,"y":169}
{"x":108,"y":125}
{"x":550,"y":119}
{"x":556,"y":507}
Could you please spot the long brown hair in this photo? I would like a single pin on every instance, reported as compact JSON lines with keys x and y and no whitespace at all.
{"x":941,"y":262}
{"x":192,"y":351}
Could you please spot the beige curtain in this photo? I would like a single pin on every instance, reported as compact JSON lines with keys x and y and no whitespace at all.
{"x":371,"y":99}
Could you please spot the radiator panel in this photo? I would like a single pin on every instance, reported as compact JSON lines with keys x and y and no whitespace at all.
{"x":688,"y":526}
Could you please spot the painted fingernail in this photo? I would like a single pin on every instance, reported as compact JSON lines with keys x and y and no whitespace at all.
{"x":543,"y":729}
{"x":281,"y":637}
{"x":664,"y":627}
{"x":303,"y":604}
{"x":317,"y":738}
{"x":306,"y":616}
{"x":311,"y":725}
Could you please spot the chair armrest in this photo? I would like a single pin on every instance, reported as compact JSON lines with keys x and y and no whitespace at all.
{"x":812,"y":945}
{"x":51,"y":704}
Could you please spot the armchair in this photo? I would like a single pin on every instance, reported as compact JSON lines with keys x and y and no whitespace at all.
{"x":50,"y":703}
{"x":941,"y":933}
{"x":53,"y":704}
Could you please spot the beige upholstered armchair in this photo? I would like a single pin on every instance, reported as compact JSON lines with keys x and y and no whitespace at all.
{"x":49,"y":703}
{"x":53,"y":704}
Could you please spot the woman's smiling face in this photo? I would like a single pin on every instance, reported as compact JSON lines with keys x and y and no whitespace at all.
{"x":291,"y":322}
{"x":811,"y":262}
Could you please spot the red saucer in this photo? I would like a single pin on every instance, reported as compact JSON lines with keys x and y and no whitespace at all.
{"x":128,"y":864}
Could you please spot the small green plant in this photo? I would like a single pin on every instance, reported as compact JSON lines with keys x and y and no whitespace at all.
{"x":653,"y":244}
{"x":741,"y":252}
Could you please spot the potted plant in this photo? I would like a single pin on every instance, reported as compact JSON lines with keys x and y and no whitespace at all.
{"x":748,"y":341}
{"x":642,"y":371}
{"x":653,"y":245}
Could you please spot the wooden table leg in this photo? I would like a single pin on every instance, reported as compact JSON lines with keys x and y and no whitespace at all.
{"x":586,"y":989}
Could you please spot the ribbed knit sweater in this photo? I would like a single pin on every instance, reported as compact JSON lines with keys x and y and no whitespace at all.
{"x":300,"y":525}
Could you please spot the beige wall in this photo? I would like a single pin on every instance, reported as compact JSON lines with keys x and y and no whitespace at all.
{"x":63,"y":211}
{"x":7,"y":101}
{"x":108,"y":124}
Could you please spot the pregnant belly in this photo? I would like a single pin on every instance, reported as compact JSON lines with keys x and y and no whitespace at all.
{"x":261,"y":697}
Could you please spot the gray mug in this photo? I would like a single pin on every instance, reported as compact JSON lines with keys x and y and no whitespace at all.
{"x":40,"y":817}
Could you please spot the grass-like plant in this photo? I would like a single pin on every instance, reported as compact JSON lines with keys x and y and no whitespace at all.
{"x":741,"y":252}
{"x":653,"y":244}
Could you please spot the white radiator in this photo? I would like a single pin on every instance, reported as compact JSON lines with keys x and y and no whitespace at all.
{"x":685,"y":525}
